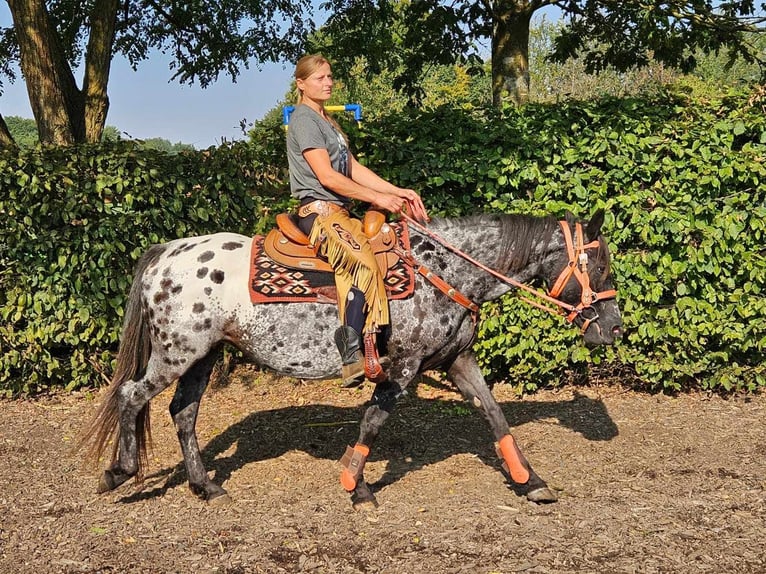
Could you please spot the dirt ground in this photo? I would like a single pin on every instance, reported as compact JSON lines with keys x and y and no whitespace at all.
{"x":647,"y":484}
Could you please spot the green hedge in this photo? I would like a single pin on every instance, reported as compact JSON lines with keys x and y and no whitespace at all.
{"x":680,"y":179}
{"x":76,"y":220}
{"x":683,"y":183}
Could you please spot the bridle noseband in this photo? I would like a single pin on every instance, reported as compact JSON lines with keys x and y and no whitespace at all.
{"x":577,"y":267}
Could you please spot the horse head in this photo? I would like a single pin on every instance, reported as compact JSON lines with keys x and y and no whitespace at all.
{"x":580,"y":276}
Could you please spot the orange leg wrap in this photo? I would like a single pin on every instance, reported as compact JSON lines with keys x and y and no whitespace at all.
{"x":353,"y":465}
{"x":514,"y":461}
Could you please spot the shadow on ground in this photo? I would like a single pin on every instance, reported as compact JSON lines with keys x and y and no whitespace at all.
{"x":421,"y":432}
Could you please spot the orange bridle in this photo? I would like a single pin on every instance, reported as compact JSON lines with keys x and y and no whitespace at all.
{"x":577,"y":267}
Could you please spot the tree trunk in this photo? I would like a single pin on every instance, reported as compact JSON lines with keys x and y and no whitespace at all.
{"x":98,"y":61}
{"x":56,"y":102}
{"x":510,"y":52}
{"x":6,"y":139}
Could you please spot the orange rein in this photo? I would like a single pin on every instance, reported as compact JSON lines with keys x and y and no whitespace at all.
{"x":577,"y":266}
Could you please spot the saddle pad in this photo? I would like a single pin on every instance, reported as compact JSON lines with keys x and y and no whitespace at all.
{"x":271,"y":282}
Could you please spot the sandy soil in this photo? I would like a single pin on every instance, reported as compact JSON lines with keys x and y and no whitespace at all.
{"x":647,"y":484}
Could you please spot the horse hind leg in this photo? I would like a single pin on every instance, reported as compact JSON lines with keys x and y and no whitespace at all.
{"x":132,"y":399}
{"x":466,"y":374}
{"x":184,"y":409}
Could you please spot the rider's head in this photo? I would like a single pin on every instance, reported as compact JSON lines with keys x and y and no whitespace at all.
{"x":313,"y":77}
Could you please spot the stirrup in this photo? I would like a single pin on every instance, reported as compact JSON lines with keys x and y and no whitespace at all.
{"x":353,"y":374}
{"x":372,"y":367}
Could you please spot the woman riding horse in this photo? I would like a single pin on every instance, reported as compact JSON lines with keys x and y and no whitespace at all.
{"x":325,"y":176}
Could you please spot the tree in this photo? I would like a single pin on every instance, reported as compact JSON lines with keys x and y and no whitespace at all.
{"x":6,"y":139}
{"x":410,"y":35}
{"x":51,"y":39}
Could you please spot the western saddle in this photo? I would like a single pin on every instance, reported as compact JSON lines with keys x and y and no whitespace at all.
{"x":289,"y":246}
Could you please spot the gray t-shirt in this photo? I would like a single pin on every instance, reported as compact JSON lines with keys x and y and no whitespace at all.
{"x":308,"y":130}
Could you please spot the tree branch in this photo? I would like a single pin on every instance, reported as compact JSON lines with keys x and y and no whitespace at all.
{"x":98,"y":61}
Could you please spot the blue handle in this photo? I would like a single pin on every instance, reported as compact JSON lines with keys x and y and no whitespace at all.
{"x":355,"y":108}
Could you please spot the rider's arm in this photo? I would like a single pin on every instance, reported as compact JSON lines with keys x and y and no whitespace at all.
{"x":319,"y":161}
{"x":368,"y":178}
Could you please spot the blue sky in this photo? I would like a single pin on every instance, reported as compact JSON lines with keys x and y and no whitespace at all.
{"x":144,"y":104}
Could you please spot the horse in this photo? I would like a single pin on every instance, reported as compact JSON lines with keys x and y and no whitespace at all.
{"x":189,"y":297}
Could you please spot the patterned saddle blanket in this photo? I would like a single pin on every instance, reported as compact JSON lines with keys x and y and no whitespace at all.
{"x":284,"y":269}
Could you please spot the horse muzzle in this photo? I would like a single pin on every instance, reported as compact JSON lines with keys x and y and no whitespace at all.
{"x":600,"y":326}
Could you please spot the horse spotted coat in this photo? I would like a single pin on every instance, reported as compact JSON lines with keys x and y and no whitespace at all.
{"x":190,"y":295}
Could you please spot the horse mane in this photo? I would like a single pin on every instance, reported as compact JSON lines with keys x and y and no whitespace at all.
{"x":518,"y":233}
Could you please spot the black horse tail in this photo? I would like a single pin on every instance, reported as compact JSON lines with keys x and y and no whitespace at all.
{"x":132,"y":359}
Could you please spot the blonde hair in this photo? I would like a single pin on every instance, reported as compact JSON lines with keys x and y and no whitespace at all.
{"x":306,"y":66}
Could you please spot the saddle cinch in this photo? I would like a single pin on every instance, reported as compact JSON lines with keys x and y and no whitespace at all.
{"x":287,"y":245}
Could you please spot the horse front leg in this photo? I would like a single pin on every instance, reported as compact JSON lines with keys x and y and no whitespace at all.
{"x":466,"y":374}
{"x":352,"y":476}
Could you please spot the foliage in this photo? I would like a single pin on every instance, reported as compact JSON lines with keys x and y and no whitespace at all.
{"x":555,"y":81}
{"x":76,"y":219}
{"x":680,"y":177}
{"x":161,"y":144}
{"x":629,"y":34}
{"x":445,"y":85}
{"x":111,"y":134}
{"x":24,"y":132}
{"x":458,"y":85}
{"x":407,"y":38}
{"x":716,"y":68}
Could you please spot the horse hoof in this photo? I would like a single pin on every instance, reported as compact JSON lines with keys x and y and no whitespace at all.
{"x":362,"y":499}
{"x":541,"y":495}
{"x":210,"y":492}
{"x":365,"y":505}
{"x":220,"y":500}
{"x":104,"y":485}
{"x":110,"y":480}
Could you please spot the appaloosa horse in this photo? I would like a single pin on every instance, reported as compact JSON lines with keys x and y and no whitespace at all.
{"x":190,"y":295}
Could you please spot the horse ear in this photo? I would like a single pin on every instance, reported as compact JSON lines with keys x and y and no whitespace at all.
{"x":570,"y":218}
{"x":593,"y":229}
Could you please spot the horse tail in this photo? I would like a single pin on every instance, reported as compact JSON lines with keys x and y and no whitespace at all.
{"x":132,"y":359}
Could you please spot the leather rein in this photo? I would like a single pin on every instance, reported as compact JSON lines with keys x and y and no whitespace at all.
{"x":577,"y":267}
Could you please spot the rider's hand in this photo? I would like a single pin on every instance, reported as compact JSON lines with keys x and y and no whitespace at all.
{"x":389,"y":202}
{"x":414,"y":206}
